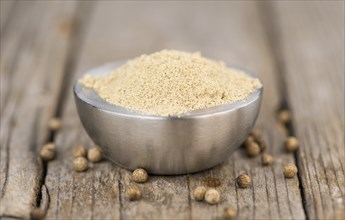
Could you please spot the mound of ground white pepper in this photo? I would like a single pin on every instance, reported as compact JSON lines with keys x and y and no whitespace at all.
{"x":170,"y":83}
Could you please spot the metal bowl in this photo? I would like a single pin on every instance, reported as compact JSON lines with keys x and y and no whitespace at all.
{"x":165,"y":145}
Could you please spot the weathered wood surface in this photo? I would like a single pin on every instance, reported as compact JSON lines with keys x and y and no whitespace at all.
{"x":314,"y":75}
{"x":33,"y":57}
{"x":261,"y":37}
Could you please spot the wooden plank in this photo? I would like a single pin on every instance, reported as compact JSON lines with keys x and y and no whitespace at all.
{"x":150,"y":27}
{"x":31,"y":47}
{"x":312,"y":47}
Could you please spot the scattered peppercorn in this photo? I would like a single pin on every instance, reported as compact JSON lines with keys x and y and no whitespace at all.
{"x":255,"y":133}
{"x":79,"y":151}
{"x":54,"y":124}
{"x":199,"y":193}
{"x":229,"y":213}
{"x":139,"y":175}
{"x":253,"y":149}
{"x":47,"y":152}
{"x":284,"y":116}
{"x":80,"y":164}
{"x":94,"y":154}
{"x":262,"y":144}
{"x":243,"y":181}
{"x":249,"y":140}
{"x":290,"y":170}
{"x":291,"y":144}
{"x":133,"y":192}
{"x":212,"y":196}
{"x":266,"y":159}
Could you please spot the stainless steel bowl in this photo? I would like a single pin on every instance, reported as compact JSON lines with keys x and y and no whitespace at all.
{"x":165,"y":145}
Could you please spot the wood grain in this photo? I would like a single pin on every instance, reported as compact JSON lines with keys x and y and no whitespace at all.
{"x":31,"y":47}
{"x":296,"y":48}
{"x":314,"y":76}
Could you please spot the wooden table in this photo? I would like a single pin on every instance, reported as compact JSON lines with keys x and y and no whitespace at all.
{"x":296,"y":48}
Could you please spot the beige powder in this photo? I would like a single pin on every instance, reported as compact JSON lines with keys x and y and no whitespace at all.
{"x":170,"y":83}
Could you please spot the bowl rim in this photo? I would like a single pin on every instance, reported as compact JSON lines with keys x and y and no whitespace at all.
{"x":90,"y":97}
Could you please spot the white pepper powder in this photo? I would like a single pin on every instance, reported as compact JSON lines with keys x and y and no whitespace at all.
{"x":170,"y":83}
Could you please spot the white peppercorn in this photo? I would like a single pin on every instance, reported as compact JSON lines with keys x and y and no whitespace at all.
{"x":255,"y":133}
{"x":47,"y":152}
{"x":212,"y":196}
{"x":243,"y":181}
{"x":54,"y":124}
{"x":80,"y":164}
{"x":290,"y":170}
{"x":266,"y":159}
{"x":291,"y":144}
{"x":79,"y":151}
{"x":253,"y":149}
{"x":284,"y":116}
{"x":262,"y":144}
{"x":133,"y":192}
{"x":199,"y":193}
{"x":249,"y":140}
{"x":94,"y":154}
{"x":139,"y":175}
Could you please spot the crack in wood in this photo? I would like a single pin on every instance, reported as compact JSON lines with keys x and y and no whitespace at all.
{"x":252,"y":179}
{"x":269,"y":210}
{"x":275,"y":183}
{"x":121,"y":192}
{"x":189,"y":197}
{"x":7,"y":143}
{"x":33,"y":148}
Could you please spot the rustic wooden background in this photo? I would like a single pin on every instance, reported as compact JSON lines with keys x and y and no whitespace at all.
{"x":296,"y":48}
